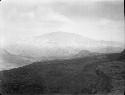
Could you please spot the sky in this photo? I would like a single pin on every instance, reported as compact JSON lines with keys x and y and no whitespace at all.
{"x":96,"y":19}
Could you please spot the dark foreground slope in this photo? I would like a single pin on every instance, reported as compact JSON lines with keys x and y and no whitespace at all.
{"x":122,"y":56}
{"x":91,"y":75}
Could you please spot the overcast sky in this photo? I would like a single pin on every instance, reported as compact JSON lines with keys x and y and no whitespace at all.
{"x":97,"y":19}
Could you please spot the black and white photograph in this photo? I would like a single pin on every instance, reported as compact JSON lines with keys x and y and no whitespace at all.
{"x":62,"y":47}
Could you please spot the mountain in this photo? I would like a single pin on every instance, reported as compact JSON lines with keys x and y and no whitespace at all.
{"x":86,"y":53}
{"x":54,"y":45}
{"x":65,"y":39}
{"x":108,"y":49}
{"x":60,"y":44}
{"x":94,"y":74}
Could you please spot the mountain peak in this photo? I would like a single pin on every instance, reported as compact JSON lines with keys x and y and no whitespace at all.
{"x":63,"y":39}
{"x":60,"y":34}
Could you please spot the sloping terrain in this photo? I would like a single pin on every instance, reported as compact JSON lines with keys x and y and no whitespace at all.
{"x":51,"y":46}
{"x":122,"y":56}
{"x":89,"y":75}
{"x":9,"y":60}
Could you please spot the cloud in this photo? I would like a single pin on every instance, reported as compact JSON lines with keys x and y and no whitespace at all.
{"x":50,"y":1}
{"x":100,"y":19}
{"x":32,"y":14}
{"x":110,"y":10}
{"x":22,"y":20}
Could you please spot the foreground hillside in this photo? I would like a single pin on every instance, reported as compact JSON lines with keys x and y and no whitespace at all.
{"x":101,"y":74}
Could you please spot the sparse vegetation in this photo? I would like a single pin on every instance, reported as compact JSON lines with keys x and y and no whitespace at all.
{"x":80,"y":76}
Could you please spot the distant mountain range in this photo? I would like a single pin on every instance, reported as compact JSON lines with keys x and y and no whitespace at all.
{"x":55,"y":45}
{"x":9,"y":60}
{"x":61,"y":43}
